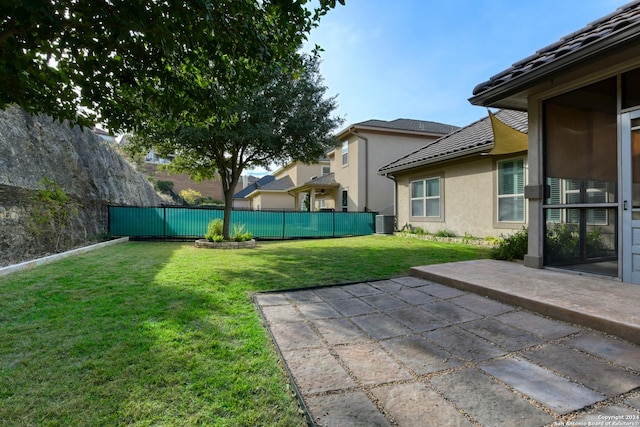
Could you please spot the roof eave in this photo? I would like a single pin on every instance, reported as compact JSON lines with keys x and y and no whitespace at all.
{"x":434,"y":160}
{"x":352,"y":130}
{"x":492,"y":97}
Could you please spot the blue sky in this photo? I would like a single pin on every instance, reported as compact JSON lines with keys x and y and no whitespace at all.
{"x":421,"y":59}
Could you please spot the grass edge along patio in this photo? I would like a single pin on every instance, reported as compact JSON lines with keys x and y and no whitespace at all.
{"x":145,"y":333}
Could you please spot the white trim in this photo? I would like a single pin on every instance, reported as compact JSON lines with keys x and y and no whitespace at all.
{"x":514,"y":195}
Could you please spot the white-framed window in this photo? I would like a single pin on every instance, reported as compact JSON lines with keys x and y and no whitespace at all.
{"x":569,"y":191}
{"x":345,"y":153}
{"x":345,"y":201}
{"x":425,"y":198}
{"x":595,"y":192}
{"x":326,"y":170}
{"x":511,"y":177}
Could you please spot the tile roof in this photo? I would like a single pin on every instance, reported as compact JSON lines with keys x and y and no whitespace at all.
{"x":474,"y":138}
{"x":409,"y":125}
{"x":328,"y":179}
{"x":281,"y":184}
{"x":605,"y":33}
{"x":252,"y":187}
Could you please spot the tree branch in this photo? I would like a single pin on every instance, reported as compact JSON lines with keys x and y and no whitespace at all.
{"x":4,"y":37}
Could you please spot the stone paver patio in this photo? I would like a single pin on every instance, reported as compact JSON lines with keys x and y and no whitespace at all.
{"x":410,"y":352}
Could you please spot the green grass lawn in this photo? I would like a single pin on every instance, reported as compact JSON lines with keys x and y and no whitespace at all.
{"x":165,"y":334}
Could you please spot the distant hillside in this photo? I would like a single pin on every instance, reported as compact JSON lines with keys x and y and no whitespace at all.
{"x":181,"y":181}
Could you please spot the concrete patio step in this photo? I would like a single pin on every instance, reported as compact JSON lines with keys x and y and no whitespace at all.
{"x":601,"y":303}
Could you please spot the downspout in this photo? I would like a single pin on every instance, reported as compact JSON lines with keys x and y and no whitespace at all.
{"x":395,"y":194}
{"x":366,"y":167}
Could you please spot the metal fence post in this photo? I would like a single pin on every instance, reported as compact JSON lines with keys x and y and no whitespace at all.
{"x":283,"y":224}
{"x":333,"y":217}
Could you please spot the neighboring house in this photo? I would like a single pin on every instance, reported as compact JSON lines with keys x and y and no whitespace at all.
{"x":239,"y":199}
{"x":582,"y":95}
{"x":463,"y":182}
{"x":318,"y":193}
{"x":105,"y":136}
{"x":354,"y":184}
{"x":155,"y":158}
{"x":277,"y":194}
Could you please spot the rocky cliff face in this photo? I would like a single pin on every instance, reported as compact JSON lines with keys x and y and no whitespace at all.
{"x":90,"y":172}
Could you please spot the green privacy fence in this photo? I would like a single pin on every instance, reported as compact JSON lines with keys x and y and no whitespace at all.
{"x":173,"y":222}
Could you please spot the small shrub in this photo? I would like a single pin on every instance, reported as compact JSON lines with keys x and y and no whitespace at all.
{"x":165,"y":186}
{"x":444,"y":233}
{"x":493,"y":240}
{"x":218,"y":238}
{"x":562,"y":242}
{"x":239,"y":234}
{"x":190,"y":196}
{"x":512,"y":247}
{"x":53,"y":212}
{"x":214,"y":229}
{"x":206,"y":200}
{"x":418,"y":230}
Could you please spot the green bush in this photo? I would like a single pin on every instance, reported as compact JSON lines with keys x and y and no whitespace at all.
{"x":468,"y":238}
{"x":512,"y":247}
{"x":190,"y":196}
{"x":418,"y":231}
{"x":444,"y":233}
{"x":208,"y":201}
{"x":52,"y":213}
{"x":239,"y":234}
{"x":214,"y":229}
{"x":562,"y":243}
{"x":165,"y":186}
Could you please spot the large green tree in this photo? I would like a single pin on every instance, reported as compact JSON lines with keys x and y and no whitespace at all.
{"x":283,"y":116}
{"x":80,"y":60}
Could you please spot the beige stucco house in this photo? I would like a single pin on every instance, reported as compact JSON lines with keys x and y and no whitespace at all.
{"x":463,"y":182}
{"x":278,"y":194}
{"x":582,"y":95}
{"x":354,"y":184}
{"x":250,"y":184}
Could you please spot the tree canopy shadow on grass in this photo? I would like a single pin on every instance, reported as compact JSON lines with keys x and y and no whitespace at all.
{"x":163,"y":333}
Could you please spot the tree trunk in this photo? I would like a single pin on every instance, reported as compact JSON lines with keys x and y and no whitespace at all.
{"x":228,"y":189}
{"x":228,"y":207}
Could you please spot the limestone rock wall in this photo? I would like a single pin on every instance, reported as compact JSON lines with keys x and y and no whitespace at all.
{"x":91,"y":172}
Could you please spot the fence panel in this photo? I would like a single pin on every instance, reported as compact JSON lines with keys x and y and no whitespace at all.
{"x":136,"y":221}
{"x":189,"y":222}
{"x":262,"y":224}
{"x":181,"y":222}
{"x":355,"y":223}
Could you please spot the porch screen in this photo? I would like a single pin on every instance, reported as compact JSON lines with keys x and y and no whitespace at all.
{"x":581,"y":173}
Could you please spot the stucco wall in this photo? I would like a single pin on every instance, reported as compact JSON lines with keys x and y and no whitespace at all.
{"x":300,"y":172}
{"x":368,"y":151}
{"x":468,"y":198}
{"x":384,"y":149}
{"x":266,"y":201}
